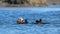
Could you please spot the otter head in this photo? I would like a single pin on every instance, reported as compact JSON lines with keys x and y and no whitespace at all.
{"x":20,"y":20}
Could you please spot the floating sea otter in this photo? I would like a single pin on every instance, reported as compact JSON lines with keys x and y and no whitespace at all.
{"x":22,"y":21}
{"x":39,"y":22}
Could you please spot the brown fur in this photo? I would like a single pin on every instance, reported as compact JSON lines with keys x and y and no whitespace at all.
{"x":19,"y":21}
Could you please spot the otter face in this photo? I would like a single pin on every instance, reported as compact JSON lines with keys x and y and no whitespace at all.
{"x":20,"y":20}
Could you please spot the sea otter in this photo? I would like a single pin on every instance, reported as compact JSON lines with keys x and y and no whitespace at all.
{"x":38,"y":22}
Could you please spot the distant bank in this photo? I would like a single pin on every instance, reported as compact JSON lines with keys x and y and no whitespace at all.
{"x":19,"y":3}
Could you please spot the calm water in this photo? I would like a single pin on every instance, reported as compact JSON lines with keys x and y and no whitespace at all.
{"x":8,"y":20}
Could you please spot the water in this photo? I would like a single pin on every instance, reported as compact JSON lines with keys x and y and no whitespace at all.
{"x":8,"y":20}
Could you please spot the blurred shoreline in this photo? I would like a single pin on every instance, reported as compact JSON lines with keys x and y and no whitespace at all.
{"x":28,"y":3}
